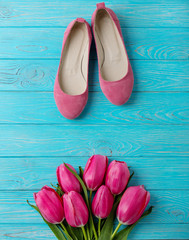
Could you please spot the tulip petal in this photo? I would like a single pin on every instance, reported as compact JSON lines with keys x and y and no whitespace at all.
{"x":81,"y":182}
{"x":94,"y":171}
{"x":66,"y":179}
{"x":117,"y":177}
{"x":132,"y":205}
{"x":76,"y":211}
{"x":102,"y":202}
{"x":50,"y":205}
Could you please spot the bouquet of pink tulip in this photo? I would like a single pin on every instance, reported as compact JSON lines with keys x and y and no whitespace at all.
{"x":71,"y":213}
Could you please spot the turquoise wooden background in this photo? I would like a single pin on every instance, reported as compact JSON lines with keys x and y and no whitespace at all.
{"x":150,"y":132}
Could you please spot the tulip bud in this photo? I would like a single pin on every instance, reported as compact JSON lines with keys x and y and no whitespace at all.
{"x":132,"y":205}
{"x":50,"y":205}
{"x":67,"y":181}
{"x":117,"y":177}
{"x":102,"y":202}
{"x":76,"y":211}
{"x":94,"y":171}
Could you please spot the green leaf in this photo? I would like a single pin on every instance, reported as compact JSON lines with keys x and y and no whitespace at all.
{"x":58,"y":189}
{"x":90,"y":226}
{"x":78,"y":232}
{"x":81,"y":171}
{"x":91,"y":223}
{"x":82,"y":184}
{"x":107,"y":229}
{"x":75,"y":233}
{"x":54,"y":228}
{"x":102,"y":223}
{"x":123,"y":234}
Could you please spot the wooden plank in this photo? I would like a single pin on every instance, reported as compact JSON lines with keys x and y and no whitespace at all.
{"x":77,"y":140}
{"x":39,"y":75}
{"x":170,"y":207}
{"x":59,"y":13}
{"x":157,"y":231}
{"x":145,"y":231}
{"x":33,"y":173}
{"x":29,"y":51}
{"x":141,"y":43}
{"x":142,"y":108}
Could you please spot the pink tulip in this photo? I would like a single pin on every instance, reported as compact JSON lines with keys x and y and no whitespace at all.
{"x":132,"y":205}
{"x":50,"y":205}
{"x":76,"y":211}
{"x":103,"y":202}
{"x":67,"y":181}
{"x":117,"y":177}
{"x":94,"y":171}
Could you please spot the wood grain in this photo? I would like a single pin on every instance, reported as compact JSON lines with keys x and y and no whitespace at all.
{"x":78,"y":140}
{"x":33,"y":173}
{"x":150,"y":132}
{"x":170,"y":207}
{"x":141,"y":43}
{"x":39,"y":75}
{"x":141,"y":231}
{"x":59,"y":13}
{"x":142,"y":108}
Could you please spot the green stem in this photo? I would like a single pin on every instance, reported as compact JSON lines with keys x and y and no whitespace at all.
{"x":84,"y":233}
{"x":115,"y":231}
{"x":99,"y":225}
{"x":94,"y":230}
{"x":58,"y":189}
{"x":71,"y":232}
{"x":93,"y":226}
{"x":88,"y":234}
{"x":66,"y":232}
{"x":90,"y":197}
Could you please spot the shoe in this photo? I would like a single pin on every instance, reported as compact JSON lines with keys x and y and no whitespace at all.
{"x":71,"y":83}
{"x":115,"y":72}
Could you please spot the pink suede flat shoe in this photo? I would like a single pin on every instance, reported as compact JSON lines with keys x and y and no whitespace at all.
{"x":115,"y":72}
{"x":71,"y":84}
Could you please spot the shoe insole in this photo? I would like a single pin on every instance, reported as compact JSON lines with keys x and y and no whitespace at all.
{"x":74,"y":63}
{"x":112,"y":56}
